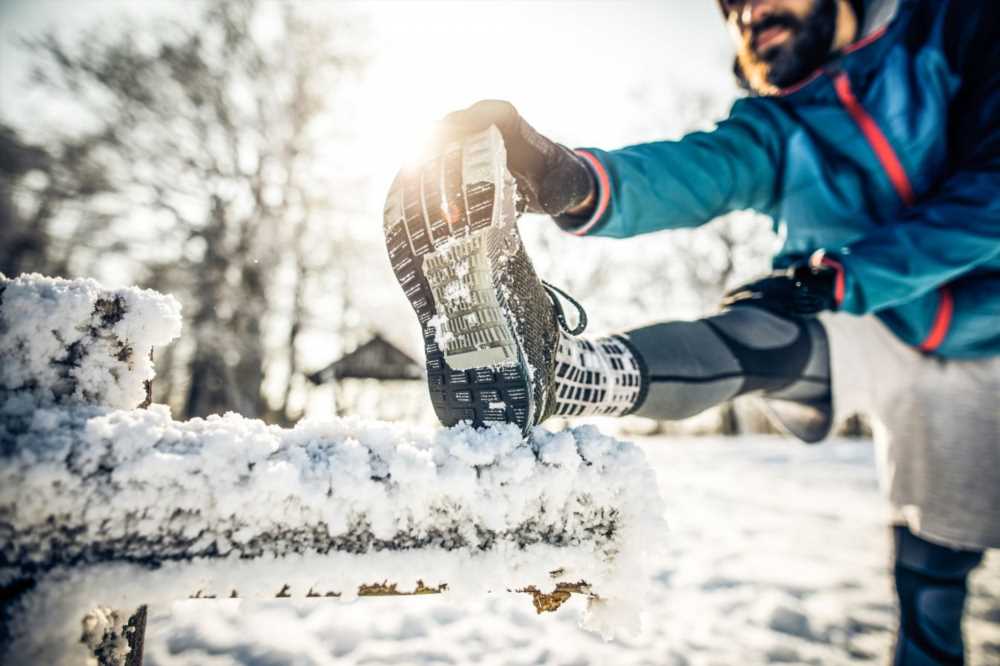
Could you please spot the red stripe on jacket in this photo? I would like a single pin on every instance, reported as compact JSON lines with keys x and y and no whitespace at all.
{"x":942,"y":321}
{"x":901,"y":182}
{"x":603,"y":191}
{"x":839,"y":284}
{"x":876,"y":139}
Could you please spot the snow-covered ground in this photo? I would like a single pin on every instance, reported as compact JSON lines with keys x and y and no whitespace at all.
{"x":778,"y":553}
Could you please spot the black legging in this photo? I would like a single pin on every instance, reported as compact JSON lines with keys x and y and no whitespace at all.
{"x":694,"y":365}
{"x":931,"y":584}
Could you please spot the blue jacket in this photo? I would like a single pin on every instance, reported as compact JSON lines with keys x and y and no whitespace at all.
{"x":888,"y":158}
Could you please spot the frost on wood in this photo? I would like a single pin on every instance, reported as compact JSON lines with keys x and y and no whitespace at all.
{"x":115,"y":508}
{"x":73,"y":342}
{"x":106,"y":633}
{"x":131,"y":507}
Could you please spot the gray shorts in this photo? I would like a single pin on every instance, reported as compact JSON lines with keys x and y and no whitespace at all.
{"x":936,"y":426}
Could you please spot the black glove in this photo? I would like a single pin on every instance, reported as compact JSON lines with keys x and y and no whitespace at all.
{"x":550,"y":177}
{"x":800,"y":290}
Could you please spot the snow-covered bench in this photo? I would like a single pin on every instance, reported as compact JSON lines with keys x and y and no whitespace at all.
{"x":107,"y":506}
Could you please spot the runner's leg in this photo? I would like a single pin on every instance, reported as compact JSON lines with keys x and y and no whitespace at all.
{"x":693,"y":365}
{"x":931,"y":584}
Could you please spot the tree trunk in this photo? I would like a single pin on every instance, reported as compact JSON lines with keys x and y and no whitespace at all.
{"x":729,"y":421}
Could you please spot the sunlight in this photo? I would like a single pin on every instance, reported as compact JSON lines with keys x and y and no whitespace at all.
{"x":431,"y":58}
{"x":422,"y":72}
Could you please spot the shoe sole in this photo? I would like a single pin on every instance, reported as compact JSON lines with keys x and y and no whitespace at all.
{"x":447,"y":223}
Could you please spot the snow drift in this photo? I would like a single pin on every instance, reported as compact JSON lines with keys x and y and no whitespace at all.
{"x":70,"y":342}
{"x":107,"y":506}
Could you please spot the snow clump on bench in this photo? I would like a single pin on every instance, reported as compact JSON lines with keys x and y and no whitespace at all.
{"x":107,"y":506}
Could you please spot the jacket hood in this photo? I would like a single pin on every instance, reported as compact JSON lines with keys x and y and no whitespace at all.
{"x":877,"y":14}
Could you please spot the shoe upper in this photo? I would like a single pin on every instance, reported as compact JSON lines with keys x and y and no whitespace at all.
{"x":536,"y":327}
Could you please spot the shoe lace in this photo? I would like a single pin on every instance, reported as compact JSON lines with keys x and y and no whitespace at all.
{"x":554,"y":293}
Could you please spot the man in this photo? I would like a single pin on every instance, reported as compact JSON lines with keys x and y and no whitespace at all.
{"x":871,"y":136}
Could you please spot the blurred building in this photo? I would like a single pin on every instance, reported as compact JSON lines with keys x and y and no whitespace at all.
{"x":377,"y":380}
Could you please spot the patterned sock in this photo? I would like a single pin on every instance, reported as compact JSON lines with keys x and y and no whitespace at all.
{"x":602,"y":377}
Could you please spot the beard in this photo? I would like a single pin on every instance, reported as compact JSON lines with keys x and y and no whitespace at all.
{"x":805,"y":49}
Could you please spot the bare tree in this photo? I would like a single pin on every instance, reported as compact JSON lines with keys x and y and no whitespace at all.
{"x":23,"y":243}
{"x":205,"y":133}
{"x":39,"y":186}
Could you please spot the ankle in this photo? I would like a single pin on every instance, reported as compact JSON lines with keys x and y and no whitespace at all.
{"x":599,"y":377}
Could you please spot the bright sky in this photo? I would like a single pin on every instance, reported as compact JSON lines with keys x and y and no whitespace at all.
{"x":571,"y":67}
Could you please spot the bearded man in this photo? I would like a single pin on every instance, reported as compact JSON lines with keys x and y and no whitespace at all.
{"x":871,"y":137}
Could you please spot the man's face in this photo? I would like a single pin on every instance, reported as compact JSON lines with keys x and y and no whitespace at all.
{"x":780,"y":42}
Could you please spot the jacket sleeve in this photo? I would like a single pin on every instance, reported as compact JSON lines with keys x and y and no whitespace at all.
{"x":685,"y":183}
{"x":956,"y":228}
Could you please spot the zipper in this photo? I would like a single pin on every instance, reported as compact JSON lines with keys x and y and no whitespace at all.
{"x":884,"y":151}
{"x":890,"y":162}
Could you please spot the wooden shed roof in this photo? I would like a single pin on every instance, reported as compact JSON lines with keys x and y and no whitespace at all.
{"x":376,"y":359}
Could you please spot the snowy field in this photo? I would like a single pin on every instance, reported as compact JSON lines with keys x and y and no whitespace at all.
{"x":778,"y":554}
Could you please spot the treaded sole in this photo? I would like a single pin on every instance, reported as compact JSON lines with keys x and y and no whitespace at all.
{"x":446,"y":223}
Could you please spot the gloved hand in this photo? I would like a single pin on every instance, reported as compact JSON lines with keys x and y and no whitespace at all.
{"x":800,"y":290}
{"x":551,"y":178}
